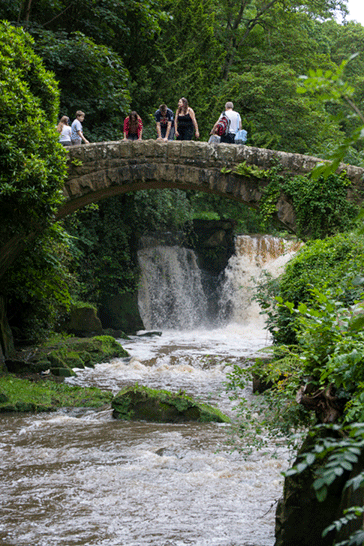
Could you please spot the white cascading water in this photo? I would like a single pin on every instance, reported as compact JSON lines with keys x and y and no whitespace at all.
{"x":170,"y":293}
{"x":245,"y":267}
{"x":80,"y":478}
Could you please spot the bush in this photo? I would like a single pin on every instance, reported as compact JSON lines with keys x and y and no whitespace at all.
{"x":332,"y":262}
{"x":32,"y":163}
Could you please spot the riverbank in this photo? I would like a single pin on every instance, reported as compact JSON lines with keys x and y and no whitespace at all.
{"x":34,"y":380}
{"x":26,"y":395}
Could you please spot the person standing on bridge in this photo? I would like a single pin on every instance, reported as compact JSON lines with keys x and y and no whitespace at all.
{"x":133,"y":127}
{"x":164,"y":122}
{"x":185,"y":121}
{"x":235,"y":124}
{"x":65,"y":132}
{"x":77,"y":131}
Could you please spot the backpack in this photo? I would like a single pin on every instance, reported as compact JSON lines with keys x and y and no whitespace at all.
{"x":222,"y":128}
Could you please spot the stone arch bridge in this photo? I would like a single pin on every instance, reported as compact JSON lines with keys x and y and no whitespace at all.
{"x":101,"y":170}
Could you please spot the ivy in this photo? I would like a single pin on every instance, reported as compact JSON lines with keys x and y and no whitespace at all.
{"x":321,"y":204}
{"x":335,"y":456}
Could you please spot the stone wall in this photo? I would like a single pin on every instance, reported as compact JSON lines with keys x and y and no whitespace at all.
{"x":101,"y":170}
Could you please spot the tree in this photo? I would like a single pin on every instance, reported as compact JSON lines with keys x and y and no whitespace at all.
{"x":191,"y":57}
{"x":32,"y":162}
{"x":92,"y":78}
{"x":267,"y":100}
{"x":242,"y":17}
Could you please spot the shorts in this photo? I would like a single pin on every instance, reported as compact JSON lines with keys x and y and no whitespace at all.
{"x":229,"y":138}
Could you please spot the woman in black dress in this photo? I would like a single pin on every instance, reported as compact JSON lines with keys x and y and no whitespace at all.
{"x":185,"y":121}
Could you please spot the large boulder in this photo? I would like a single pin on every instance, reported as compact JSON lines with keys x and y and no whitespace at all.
{"x":61,"y":356}
{"x":141,"y":403}
{"x":121,"y":312}
{"x":84,"y":322}
{"x":301,"y":518}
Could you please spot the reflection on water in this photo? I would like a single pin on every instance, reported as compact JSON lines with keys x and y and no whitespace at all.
{"x":82,"y":478}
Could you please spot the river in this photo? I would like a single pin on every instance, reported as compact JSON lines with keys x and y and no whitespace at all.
{"x":79,"y":477}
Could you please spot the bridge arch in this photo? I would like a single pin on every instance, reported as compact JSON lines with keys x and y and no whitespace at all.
{"x":101,"y":170}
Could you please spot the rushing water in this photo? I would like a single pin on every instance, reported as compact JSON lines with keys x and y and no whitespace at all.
{"x":81,"y":478}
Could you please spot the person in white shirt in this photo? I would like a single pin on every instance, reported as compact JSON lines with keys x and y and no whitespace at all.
{"x":64,"y":131}
{"x":235,"y":124}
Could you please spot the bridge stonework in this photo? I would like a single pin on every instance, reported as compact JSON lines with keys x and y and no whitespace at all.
{"x":101,"y":170}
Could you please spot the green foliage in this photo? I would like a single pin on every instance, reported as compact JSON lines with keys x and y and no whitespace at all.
{"x":331,"y":87}
{"x":33,"y":164}
{"x":23,"y":395}
{"x":195,"y":67}
{"x":331,"y":348}
{"x":158,"y":210}
{"x":207,"y":206}
{"x":332,"y":262}
{"x":321,"y":204}
{"x":274,"y":413}
{"x":92,"y":79}
{"x":336,"y":456}
{"x":267,"y":100}
{"x":328,"y":357}
{"x":38,"y":286}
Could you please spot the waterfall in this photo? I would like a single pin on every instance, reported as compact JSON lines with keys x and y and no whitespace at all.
{"x":253,"y":255}
{"x":172,"y":293}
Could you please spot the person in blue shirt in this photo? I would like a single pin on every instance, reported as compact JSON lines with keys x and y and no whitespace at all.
{"x":77,"y":131}
{"x":164,"y":121}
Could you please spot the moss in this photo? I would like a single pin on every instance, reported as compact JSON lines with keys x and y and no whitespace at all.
{"x":72,"y":352}
{"x":141,"y":403}
{"x":22,"y":395}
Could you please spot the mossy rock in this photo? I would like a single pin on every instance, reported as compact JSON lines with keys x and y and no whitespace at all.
{"x":141,"y":403}
{"x":56,"y":360}
{"x":24,"y":367}
{"x":21,"y":395}
{"x":84,"y":321}
{"x":62,"y":372}
{"x":80,"y":352}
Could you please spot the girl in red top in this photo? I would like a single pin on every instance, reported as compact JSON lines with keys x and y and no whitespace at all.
{"x":133,"y":127}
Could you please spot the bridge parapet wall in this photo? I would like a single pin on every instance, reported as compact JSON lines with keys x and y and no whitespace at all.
{"x":102,"y":169}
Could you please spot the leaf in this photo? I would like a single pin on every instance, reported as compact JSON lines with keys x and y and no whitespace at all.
{"x":321,"y":494}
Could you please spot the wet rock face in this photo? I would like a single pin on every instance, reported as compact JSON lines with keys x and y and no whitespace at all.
{"x":301,"y":518}
{"x":144,"y":404}
{"x":6,"y":338}
{"x":84,"y":322}
{"x":213,"y":242}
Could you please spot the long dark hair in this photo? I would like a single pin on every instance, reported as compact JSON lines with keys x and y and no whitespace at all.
{"x":184,"y":108}
{"x":133,"y":122}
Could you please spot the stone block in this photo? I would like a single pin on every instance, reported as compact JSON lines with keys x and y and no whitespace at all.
{"x":188,"y":149}
{"x":226,"y":153}
{"x":125,"y":150}
{"x":159,"y":149}
{"x":141,"y":148}
{"x":174,"y":150}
